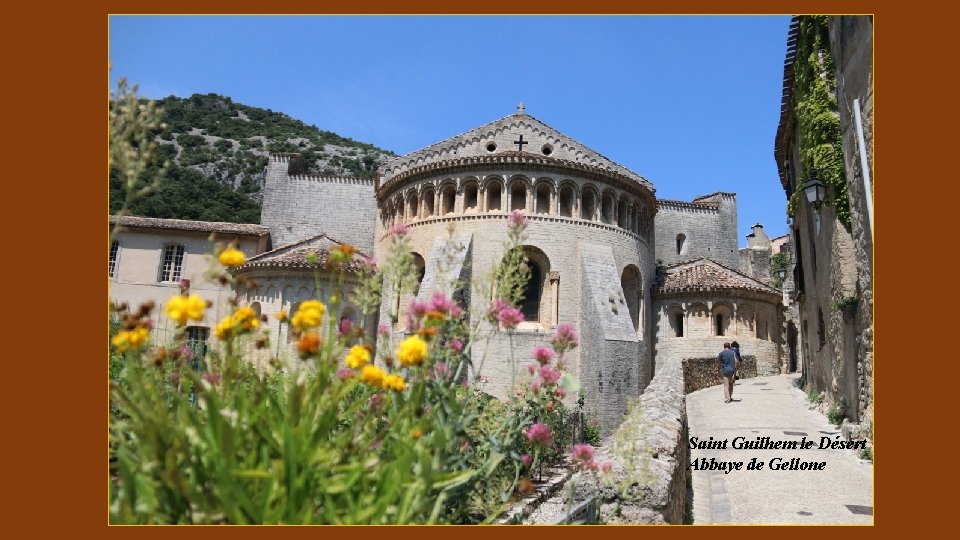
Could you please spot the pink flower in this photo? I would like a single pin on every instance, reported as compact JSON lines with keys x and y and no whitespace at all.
{"x":559,"y":393}
{"x":456,"y":345}
{"x":510,"y":317}
{"x":606,"y":466}
{"x":543,"y":354}
{"x":383,"y":329}
{"x":549,"y":406}
{"x":212,"y":378}
{"x":538,"y":434}
{"x":532,"y":368}
{"x":456,"y":312}
{"x":344,"y":373}
{"x":441,"y":370}
{"x":440,"y":302}
{"x":419,"y":308}
{"x":345,"y":325}
{"x":582,"y":453}
{"x":370,"y":261}
{"x":517,"y":219}
{"x":550,"y":374}
{"x":399,"y":229}
{"x":535,"y":386}
{"x":526,"y":459}
{"x":375,"y":401}
{"x":175,"y":377}
{"x":565,"y":338}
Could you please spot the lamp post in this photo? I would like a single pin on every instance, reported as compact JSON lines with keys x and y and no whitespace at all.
{"x":815,"y":190}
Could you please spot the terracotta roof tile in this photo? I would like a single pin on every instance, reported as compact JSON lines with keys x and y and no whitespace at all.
{"x":297,"y":255}
{"x":708,"y":275}
{"x":221,"y":227}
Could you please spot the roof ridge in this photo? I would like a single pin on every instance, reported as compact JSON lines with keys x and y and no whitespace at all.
{"x":691,"y":264}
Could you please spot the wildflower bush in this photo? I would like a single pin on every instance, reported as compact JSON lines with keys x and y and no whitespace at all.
{"x":354,"y":425}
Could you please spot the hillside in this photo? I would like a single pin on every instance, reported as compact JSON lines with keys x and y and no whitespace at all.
{"x":218,"y":152}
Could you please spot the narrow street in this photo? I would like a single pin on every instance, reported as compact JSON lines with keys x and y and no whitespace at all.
{"x":840,"y":493}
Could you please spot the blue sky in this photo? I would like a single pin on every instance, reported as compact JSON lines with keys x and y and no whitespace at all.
{"x":690,"y":103}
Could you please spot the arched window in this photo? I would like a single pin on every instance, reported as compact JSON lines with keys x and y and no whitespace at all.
{"x":623,"y":217}
{"x":448,"y":198}
{"x":675,"y":317}
{"x":413,"y":205}
{"x":470,"y":197}
{"x":681,"y":244}
{"x":566,"y":201}
{"x":543,"y":199}
{"x":722,"y":314}
{"x":518,"y":196}
{"x":607,"y":208}
{"x":589,"y":205}
{"x":532,"y":293}
{"x":420,"y":267}
{"x":494,"y":196}
{"x":255,"y":306}
{"x":426,"y":202}
{"x":632,"y":287}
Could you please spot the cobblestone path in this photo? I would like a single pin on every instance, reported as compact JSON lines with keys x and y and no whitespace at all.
{"x":841,"y":493}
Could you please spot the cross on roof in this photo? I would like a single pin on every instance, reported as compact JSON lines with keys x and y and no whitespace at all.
{"x":520,"y":143}
{"x":520,"y":108}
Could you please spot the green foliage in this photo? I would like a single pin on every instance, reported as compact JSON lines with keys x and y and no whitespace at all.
{"x":846,"y":302}
{"x":187,"y":194}
{"x":866,"y":453}
{"x":818,"y":120}
{"x":591,"y":432}
{"x":778,"y":261}
{"x":814,"y":397}
{"x":835,"y":415}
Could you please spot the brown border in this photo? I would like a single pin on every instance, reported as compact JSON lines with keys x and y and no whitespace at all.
{"x":55,"y":394}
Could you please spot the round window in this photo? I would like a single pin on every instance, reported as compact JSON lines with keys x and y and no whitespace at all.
{"x":491,"y":146}
{"x":547,"y":149}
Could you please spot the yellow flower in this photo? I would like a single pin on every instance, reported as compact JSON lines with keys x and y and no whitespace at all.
{"x":372,"y":375}
{"x":224,"y":328}
{"x":417,"y":434}
{"x":195,"y":307}
{"x":282,"y":315}
{"x":181,"y":309}
{"x":232,"y":257}
{"x":412,"y":351}
{"x":308,"y":315}
{"x":358,"y":357}
{"x":126,"y":340}
{"x":242,"y":320}
{"x":394,"y":382}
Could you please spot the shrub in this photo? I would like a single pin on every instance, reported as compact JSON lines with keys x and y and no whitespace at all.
{"x":834,"y":415}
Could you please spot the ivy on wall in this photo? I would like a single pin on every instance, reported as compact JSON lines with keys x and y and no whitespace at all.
{"x":818,"y":122}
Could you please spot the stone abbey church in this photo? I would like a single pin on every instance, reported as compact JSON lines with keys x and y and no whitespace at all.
{"x":644,"y":280}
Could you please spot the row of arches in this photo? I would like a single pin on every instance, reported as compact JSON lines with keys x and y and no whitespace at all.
{"x":543,"y":197}
{"x":719,"y":320}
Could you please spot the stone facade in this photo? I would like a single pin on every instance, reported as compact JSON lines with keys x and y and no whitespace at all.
{"x":833,"y":266}
{"x":139,"y":245}
{"x":298,"y":206}
{"x":594,"y":234}
{"x":705,"y":227}
{"x":700,"y":305}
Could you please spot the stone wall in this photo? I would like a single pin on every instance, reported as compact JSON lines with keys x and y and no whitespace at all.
{"x":707,"y":230}
{"x":650,"y":458}
{"x":298,"y":206}
{"x":851,"y":39}
{"x":701,"y":373}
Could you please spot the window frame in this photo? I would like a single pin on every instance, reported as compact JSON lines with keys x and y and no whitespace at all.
{"x":176,"y":267}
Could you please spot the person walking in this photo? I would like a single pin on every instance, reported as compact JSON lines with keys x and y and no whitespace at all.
{"x":736,"y":350}
{"x":726,"y":368}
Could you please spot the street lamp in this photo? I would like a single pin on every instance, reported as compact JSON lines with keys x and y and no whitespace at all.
{"x":815,"y":190}
{"x":782,"y":271}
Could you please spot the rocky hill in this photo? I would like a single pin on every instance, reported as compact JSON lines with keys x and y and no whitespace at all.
{"x":218,"y":152}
